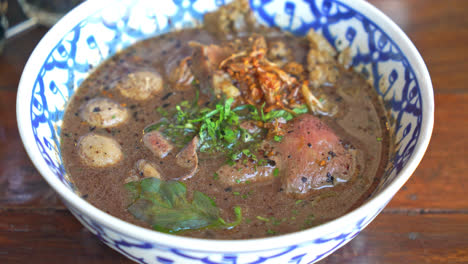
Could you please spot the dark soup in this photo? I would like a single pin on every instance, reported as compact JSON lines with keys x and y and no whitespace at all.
{"x":227,"y":131}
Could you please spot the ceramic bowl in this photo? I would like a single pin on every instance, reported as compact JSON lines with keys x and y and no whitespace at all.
{"x":96,"y":30}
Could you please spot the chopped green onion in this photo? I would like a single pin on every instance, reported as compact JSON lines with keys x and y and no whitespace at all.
{"x":276,"y":172}
{"x":263,"y":219}
{"x":278,"y":138}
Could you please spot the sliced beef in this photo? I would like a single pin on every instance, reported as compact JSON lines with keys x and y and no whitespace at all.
{"x":241,"y":172}
{"x":312,"y":157}
{"x":157,"y":143}
{"x":205,"y":62}
{"x":188,"y":158}
{"x":181,"y":76}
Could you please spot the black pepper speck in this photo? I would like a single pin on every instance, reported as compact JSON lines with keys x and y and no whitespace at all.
{"x":330,"y":178}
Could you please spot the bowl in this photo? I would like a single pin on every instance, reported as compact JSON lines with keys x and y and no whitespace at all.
{"x":96,"y":30}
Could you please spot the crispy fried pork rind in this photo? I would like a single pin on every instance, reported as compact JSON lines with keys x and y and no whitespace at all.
{"x":232,"y":20}
{"x":253,"y":71}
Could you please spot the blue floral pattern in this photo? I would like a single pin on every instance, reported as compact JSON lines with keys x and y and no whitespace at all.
{"x":375,"y":54}
{"x":299,"y":254}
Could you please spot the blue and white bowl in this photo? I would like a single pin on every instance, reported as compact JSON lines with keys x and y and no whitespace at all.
{"x":96,"y":30}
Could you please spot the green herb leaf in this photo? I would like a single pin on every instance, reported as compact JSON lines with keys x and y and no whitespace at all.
{"x":155,"y":126}
{"x":301,"y":109}
{"x":276,"y":172}
{"x":246,"y":136}
{"x":229,"y":135}
{"x":278,"y":138}
{"x":275,"y":114}
{"x":218,"y":127}
{"x":165,"y":207}
{"x":261,"y":218}
{"x":163,"y":112}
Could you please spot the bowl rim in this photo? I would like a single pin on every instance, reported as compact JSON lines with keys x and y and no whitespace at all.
{"x":81,"y":12}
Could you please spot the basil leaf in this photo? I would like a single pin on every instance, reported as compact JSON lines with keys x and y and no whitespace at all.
{"x":301,"y":110}
{"x":229,"y":135}
{"x":272,"y":115}
{"x":277,"y":114}
{"x":165,"y":207}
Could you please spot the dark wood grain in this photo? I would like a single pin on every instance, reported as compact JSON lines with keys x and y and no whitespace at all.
{"x":396,"y":238}
{"x":444,"y":163}
{"x":426,"y":222}
{"x":15,"y":55}
{"x":400,"y":238}
{"x":20,"y":184}
{"x":50,"y":236}
{"x":439,"y":30}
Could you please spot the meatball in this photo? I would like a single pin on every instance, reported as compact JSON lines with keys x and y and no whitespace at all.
{"x":103,"y":112}
{"x":99,"y":151}
{"x":147,"y":169}
{"x":141,"y":85}
{"x":143,"y":169}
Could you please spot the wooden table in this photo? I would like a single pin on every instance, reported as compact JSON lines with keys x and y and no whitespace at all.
{"x":426,"y":222}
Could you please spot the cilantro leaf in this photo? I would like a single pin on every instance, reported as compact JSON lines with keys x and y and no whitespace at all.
{"x":218,"y":126}
{"x":301,"y":109}
{"x":278,"y":138}
{"x":164,"y":205}
{"x":275,"y":114}
{"x":276,"y":172}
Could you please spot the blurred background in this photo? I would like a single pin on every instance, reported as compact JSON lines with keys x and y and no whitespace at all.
{"x":19,"y":16}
